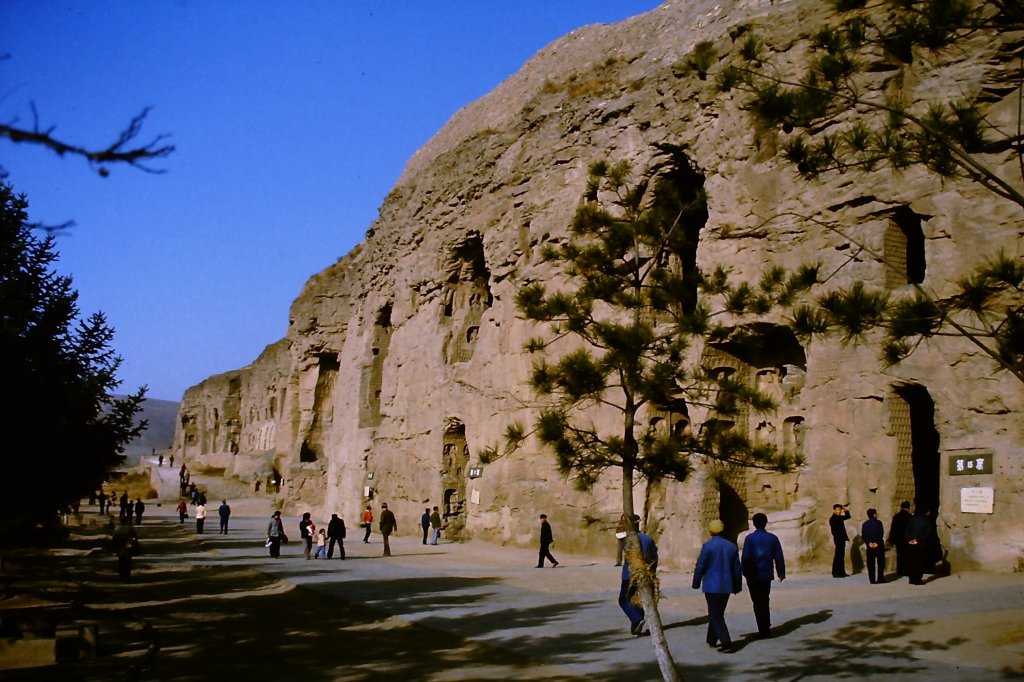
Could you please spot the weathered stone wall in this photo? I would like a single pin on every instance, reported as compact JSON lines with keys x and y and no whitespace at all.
{"x":404,"y":359}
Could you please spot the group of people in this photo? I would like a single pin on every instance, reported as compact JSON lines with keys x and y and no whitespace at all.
{"x":127,"y":509}
{"x":721,"y":566}
{"x":718,"y":573}
{"x":913,"y":536}
{"x":320,"y":543}
{"x":326,"y":539}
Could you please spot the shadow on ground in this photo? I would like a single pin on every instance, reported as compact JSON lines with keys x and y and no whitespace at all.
{"x":181,"y":620}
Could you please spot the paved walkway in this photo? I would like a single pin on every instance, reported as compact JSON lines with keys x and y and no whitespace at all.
{"x":220,"y":608}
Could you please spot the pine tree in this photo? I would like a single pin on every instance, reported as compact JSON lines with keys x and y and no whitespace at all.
{"x":63,"y":431}
{"x":628,"y":317}
{"x":848,"y":112}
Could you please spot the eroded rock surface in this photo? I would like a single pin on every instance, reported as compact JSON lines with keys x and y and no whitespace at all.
{"x":405,"y":358}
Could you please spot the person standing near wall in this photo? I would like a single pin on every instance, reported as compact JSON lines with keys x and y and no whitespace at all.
{"x":837,"y":525}
{"x":898,"y":537}
{"x":873,"y":535}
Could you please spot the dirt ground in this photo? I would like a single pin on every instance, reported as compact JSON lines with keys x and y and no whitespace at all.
{"x":217,"y":607}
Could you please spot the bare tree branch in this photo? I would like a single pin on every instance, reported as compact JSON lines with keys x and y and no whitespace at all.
{"x":120,"y":151}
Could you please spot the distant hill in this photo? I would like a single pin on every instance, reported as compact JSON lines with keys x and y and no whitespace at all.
{"x":159,"y":436}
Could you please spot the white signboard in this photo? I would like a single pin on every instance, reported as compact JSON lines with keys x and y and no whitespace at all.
{"x":475,"y":497}
{"x":976,"y":500}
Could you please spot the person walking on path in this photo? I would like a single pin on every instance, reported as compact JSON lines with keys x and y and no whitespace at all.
{"x":182,"y":510}
{"x":306,"y":530}
{"x":336,"y":534}
{"x":103,"y":502}
{"x":224,"y":511}
{"x":873,"y":535}
{"x":140,"y":509}
{"x":762,"y":558}
{"x":200,"y":518}
{"x":628,"y":588}
{"x":425,"y":523}
{"x":435,"y":526}
{"x":388,"y":525}
{"x":275,"y":535}
{"x":919,"y":533}
{"x":124,"y":542}
{"x":367,"y":523}
{"x":898,"y":537}
{"x":546,"y":540}
{"x":837,"y":525}
{"x":718,"y":573}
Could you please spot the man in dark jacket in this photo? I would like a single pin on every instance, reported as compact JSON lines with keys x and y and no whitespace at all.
{"x":718,"y":573}
{"x":873,"y":535}
{"x":837,"y":525}
{"x":762,"y":558}
{"x":918,"y":533}
{"x":425,"y":523}
{"x":546,"y":540}
{"x":336,"y":534}
{"x":388,"y":525}
{"x":898,"y":537}
{"x":224,"y":511}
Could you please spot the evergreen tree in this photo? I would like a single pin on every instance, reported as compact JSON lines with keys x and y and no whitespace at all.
{"x":628,"y":318}
{"x":63,"y":431}
{"x":849,"y":111}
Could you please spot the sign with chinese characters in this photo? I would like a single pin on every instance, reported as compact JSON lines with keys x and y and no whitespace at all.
{"x":977,"y":500}
{"x":476,"y":472}
{"x":970,"y":462}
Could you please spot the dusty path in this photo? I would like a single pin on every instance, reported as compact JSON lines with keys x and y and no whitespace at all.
{"x":220,"y":608}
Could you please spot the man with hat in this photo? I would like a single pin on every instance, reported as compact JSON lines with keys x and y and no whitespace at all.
{"x":628,"y":590}
{"x":546,"y":539}
{"x":718,"y":572}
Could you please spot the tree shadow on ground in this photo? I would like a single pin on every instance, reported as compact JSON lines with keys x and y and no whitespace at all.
{"x":214,"y":621}
{"x":860,"y":650}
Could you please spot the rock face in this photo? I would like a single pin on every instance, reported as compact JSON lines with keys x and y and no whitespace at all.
{"x":405,"y":359}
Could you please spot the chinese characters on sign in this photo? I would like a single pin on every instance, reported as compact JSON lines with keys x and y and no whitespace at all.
{"x":475,"y":472}
{"x":970,"y":463}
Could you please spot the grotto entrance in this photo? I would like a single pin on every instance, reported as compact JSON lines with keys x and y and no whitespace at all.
{"x":454,"y":459}
{"x":912,"y":422}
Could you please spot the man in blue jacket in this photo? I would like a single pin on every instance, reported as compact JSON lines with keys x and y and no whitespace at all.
{"x":762,"y":558}
{"x":873,"y":535}
{"x":718,"y":571}
{"x":634,"y":612}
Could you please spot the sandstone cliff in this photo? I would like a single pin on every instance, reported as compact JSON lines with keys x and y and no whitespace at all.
{"x":404,"y":359}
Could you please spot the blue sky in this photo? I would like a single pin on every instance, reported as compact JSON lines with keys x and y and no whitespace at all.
{"x":292,"y":121}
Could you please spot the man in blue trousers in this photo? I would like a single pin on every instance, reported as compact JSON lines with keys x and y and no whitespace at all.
{"x":628,"y":590}
{"x":762,"y":558}
{"x":718,"y":572}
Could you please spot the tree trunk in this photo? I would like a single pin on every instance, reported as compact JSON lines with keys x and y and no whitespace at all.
{"x":645,"y":587}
